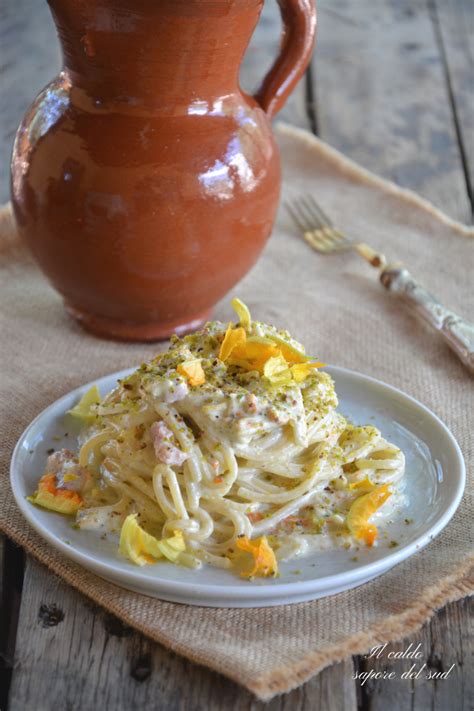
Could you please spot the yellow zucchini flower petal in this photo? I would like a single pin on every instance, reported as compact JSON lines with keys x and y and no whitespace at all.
{"x":192,"y":370}
{"x":301,"y":371}
{"x":48,"y":496}
{"x":83,"y":410}
{"x":242,"y":312}
{"x":276,"y":370}
{"x":233,"y":337}
{"x":264,"y":562}
{"x":142,"y":548}
{"x":362,"y":509}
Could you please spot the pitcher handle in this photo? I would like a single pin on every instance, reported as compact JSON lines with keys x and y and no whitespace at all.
{"x":298,"y":37}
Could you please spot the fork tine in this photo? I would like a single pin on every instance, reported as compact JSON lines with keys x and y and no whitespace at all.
{"x":326,"y":233}
{"x":332,"y":235}
{"x":297,"y":217}
{"x":337,"y":238}
{"x":317,"y":228}
{"x":320,"y":240}
{"x":319,"y":211}
{"x":302,"y":215}
{"x":304,"y":218}
{"x":328,"y":242}
{"x":313,"y":215}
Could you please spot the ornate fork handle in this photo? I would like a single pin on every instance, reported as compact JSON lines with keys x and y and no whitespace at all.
{"x":458,"y":333}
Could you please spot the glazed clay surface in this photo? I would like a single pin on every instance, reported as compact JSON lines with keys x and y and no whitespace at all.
{"x":144,"y":181}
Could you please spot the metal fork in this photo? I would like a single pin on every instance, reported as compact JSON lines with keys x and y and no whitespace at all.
{"x":320,"y":233}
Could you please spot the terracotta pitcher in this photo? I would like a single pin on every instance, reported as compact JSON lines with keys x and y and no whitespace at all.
{"x":144,"y":180}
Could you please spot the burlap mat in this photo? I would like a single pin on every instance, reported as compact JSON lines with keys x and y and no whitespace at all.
{"x":336,"y":306}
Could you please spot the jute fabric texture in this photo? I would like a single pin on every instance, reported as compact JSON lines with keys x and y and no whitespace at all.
{"x":336,"y":306}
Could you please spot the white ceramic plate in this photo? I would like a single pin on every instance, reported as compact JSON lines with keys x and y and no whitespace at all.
{"x":435,"y":477}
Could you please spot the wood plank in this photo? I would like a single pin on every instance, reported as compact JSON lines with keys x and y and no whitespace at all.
{"x":382,"y":96}
{"x":383,"y":99}
{"x":444,"y":646}
{"x":454,"y":21}
{"x":2,"y":570}
{"x":11,"y":582}
{"x":71,"y":652}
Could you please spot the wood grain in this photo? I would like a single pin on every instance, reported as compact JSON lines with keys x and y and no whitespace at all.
{"x":445,"y":647}
{"x":11,"y":583}
{"x":382,"y":97}
{"x":384,"y":60}
{"x":70,"y":650}
{"x":454,"y":21}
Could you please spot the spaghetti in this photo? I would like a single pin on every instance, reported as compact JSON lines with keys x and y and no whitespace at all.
{"x":226,"y":449}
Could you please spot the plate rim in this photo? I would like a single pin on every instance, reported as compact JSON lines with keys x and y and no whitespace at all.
{"x":261,"y":591}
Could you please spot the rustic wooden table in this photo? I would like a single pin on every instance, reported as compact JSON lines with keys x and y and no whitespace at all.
{"x":391,"y":85}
